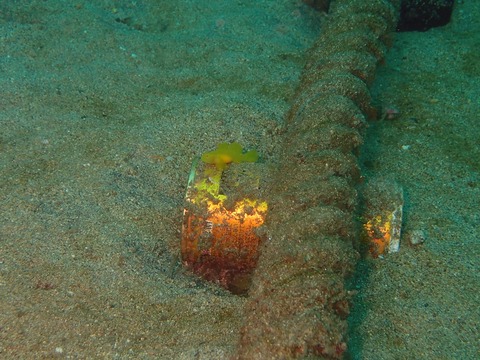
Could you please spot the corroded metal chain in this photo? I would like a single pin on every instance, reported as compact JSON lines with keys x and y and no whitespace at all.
{"x":298,"y":302}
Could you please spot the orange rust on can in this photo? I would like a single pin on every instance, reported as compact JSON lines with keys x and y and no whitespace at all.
{"x":220,"y":242}
{"x":378,"y":235}
{"x":382,"y":232}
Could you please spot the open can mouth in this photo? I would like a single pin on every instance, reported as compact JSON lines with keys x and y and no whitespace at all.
{"x":222,"y":223}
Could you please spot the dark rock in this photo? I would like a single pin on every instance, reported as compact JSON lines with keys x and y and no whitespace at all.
{"x":422,"y":15}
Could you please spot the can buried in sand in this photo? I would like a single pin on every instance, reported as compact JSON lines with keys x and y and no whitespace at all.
{"x":223,"y":217}
{"x":383,"y":217}
{"x":383,"y":232}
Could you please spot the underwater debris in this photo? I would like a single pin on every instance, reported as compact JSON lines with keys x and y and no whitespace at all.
{"x":383,"y":217}
{"x":298,"y":301}
{"x":222,"y":218}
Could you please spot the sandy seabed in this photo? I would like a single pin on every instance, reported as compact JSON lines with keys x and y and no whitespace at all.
{"x":103,"y":106}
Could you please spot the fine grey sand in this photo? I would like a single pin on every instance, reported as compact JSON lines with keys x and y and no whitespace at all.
{"x":104,"y":105}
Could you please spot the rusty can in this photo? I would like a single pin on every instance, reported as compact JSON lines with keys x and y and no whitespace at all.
{"x":383,"y":217}
{"x":222,"y":225}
